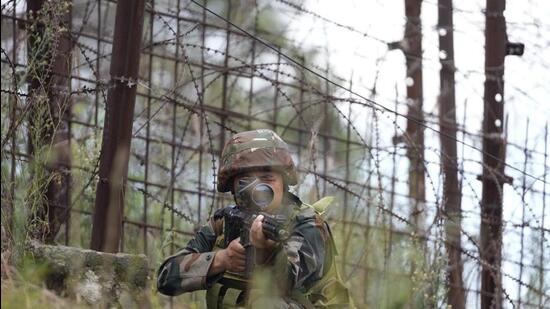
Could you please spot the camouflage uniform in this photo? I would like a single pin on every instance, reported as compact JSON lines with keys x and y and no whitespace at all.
{"x":296,"y":265}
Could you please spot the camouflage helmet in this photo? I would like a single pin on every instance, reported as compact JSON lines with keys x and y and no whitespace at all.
{"x":251,"y":150}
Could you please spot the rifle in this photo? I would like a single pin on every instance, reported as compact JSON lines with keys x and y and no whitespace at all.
{"x":252,"y":197}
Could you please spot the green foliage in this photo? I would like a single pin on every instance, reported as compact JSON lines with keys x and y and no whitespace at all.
{"x":24,"y":287}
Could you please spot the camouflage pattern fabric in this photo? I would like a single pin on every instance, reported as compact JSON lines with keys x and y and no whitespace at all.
{"x":187,"y":270}
{"x":298,"y":263}
{"x":256,"y":149}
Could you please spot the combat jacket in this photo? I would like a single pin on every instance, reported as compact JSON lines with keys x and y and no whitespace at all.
{"x":304,"y":254}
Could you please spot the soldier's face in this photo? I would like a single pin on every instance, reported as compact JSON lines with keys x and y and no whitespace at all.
{"x":274,"y":179}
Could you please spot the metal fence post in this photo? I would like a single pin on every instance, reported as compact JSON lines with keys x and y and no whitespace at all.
{"x":117,"y":132}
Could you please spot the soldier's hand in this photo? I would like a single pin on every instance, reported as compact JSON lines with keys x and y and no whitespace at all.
{"x":257,"y":236}
{"x":233,"y":258}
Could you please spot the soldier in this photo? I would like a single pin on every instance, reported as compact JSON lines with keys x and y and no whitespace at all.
{"x":296,"y":272}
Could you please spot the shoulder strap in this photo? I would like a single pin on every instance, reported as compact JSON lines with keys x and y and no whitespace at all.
{"x":330,"y":290}
{"x":321,"y":205}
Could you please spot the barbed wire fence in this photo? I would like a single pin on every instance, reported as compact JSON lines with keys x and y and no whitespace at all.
{"x":211,"y":69}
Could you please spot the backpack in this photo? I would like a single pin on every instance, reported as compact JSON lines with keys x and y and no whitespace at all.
{"x":329,"y":291}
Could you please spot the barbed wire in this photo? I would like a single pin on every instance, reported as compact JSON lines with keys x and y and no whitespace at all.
{"x":376,"y":104}
{"x":287,"y":78}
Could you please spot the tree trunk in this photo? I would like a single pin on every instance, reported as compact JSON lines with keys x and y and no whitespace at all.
{"x":49,"y":68}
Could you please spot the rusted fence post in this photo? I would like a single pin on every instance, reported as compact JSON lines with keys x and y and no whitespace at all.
{"x":411,"y":45}
{"x":415,"y":143}
{"x":494,"y":155}
{"x":117,"y":131}
{"x":447,"y":122}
